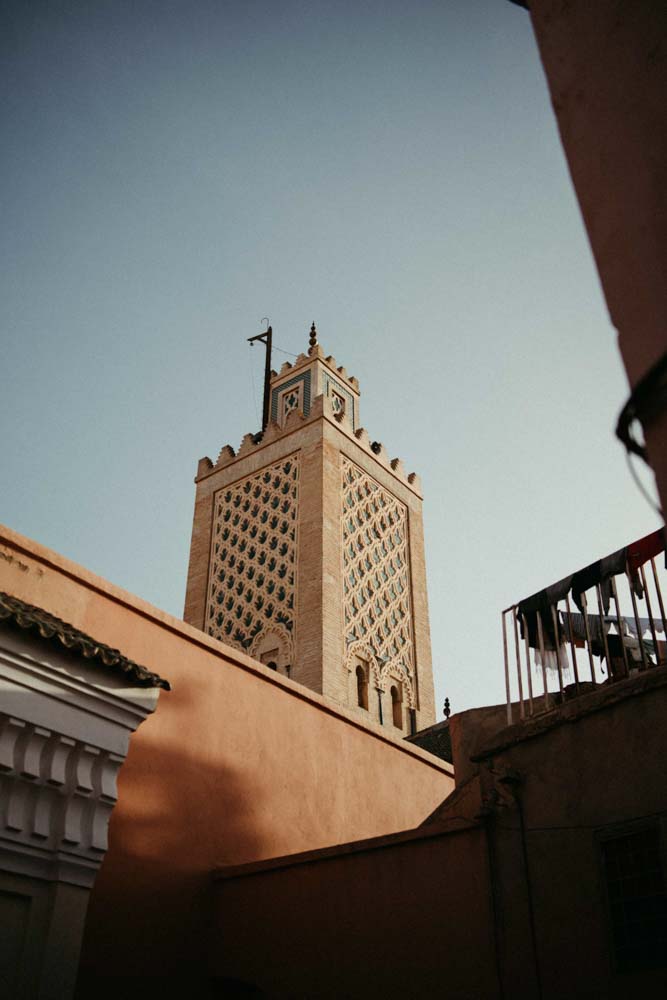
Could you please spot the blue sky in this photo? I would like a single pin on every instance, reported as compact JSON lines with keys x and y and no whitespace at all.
{"x":173,"y":171}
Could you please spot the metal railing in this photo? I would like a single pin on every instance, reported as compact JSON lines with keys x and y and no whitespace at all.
{"x":593,"y":628}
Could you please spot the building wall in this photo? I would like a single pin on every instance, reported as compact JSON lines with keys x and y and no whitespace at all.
{"x":607,"y":75}
{"x":383,"y":922}
{"x":589,"y":777}
{"x":236,"y":764}
{"x":512,"y":902}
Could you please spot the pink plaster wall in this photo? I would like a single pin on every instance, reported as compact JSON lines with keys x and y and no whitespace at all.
{"x":236,"y":764}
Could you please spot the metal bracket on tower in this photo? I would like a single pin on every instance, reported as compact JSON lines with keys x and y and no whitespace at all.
{"x":266,"y":339}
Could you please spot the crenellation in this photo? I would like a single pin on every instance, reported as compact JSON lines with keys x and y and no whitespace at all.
{"x":226,"y":455}
{"x":248,"y":444}
{"x":203,"y":466}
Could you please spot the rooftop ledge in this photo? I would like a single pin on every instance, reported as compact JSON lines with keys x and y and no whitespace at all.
{"x":441,"y":828}
{"x":29,"y":560}
{"x":603,"y":697}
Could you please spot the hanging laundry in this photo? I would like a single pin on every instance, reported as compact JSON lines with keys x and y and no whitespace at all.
{"x":640,"y":552}
{"x":553,"y":658}
{"x":579,"y":627}
{"x":588,"y":578}
{"x":527,"y":611}
{"x":644,"y":625}
{"x":613,"y":565}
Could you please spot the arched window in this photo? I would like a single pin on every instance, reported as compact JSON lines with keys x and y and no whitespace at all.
{"x":362,"y":688}
{"x":272,"y":665}
{"x":396,"y":707}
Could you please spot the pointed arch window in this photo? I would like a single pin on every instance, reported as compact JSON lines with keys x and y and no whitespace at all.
{"x":362,"y":687}
{"x":396,"y":706}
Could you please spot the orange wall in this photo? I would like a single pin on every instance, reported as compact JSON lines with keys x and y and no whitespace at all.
{"x":409,"y":919}
{"x":237,"y":764}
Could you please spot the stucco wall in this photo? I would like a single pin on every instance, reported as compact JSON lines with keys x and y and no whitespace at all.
{"x":511,"y":903}
{"x":594,"y":775}
{"x":393,"y":920}
{"x":237,"y":764}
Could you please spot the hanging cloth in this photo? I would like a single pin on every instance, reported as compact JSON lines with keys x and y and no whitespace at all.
{"x":542,"y":603}
{"x":640,"y":552}
{"x":586,"y":579}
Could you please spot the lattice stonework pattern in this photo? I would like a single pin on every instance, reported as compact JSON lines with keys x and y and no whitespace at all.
{"x":253,"y":556}
{"x":376,"y":579}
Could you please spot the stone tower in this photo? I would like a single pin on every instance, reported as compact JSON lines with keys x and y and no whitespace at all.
{"x":308,"y":551}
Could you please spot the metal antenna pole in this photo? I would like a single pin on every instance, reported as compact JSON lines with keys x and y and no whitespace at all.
{"x":265,"y":338}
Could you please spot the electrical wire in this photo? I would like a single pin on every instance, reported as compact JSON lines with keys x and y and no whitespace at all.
{"x":289,"y":353}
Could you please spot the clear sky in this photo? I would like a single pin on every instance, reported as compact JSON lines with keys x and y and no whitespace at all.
{"x":174,"y":170}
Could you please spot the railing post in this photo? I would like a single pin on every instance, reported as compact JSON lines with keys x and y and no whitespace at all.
{"x":528,"y":665}
{"x":620,"y":627}
{"x":540,"y":633}
{"x":573,"y":653}
{"x":554,"y":616}
{"x":659,"y":593}
{"x":584,"y":604}
{"x":647,"y":598}
{"x":602,"y":629}
{"x":640,"y":632}
{"x":507,"y":671}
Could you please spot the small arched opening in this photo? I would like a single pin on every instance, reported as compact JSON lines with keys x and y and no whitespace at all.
{"x":362,"y":687}
{"x":396,"y":706}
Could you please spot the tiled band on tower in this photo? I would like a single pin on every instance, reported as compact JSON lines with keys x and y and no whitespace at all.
{"x":308,"y":551}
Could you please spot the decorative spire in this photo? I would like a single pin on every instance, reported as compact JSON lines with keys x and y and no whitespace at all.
{"x":313,"y":335}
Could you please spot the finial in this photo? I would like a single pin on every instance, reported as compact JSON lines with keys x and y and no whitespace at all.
{"x":313,"y":335}
{"x":446,"y":709}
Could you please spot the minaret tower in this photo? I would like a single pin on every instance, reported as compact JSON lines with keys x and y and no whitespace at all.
{"x":308,"y":550}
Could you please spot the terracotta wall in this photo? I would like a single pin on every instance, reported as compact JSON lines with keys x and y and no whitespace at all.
{"x":512,"y":903}
{"x":235,"y":765}
{"x":411,"y":919}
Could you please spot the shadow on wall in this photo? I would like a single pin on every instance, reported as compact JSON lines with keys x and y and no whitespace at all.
{"x":150,"y":906}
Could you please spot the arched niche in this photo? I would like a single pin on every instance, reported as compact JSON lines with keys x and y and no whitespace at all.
{"x":272,"y":647}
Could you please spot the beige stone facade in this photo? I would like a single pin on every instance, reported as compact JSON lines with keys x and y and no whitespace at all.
{"x":308,"y":552}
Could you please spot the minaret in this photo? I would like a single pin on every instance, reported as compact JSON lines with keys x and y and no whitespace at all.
{"x":308,"y":550}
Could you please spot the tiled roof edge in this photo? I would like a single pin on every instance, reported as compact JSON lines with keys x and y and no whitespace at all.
{"x":52,"y":629}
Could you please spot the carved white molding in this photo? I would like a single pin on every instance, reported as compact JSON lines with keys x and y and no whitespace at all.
{"x":65,"y":726}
